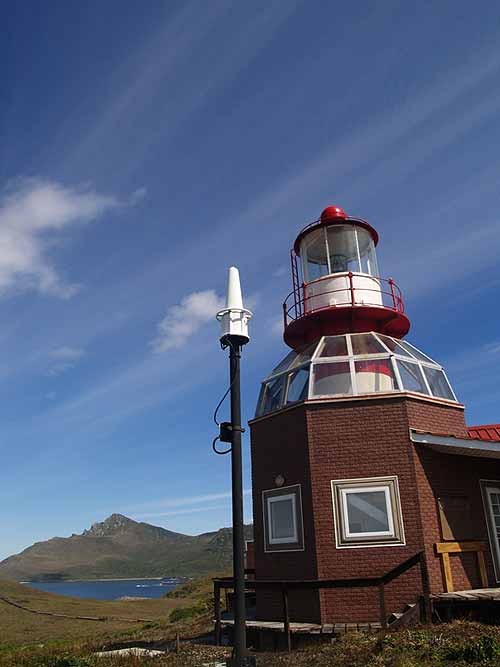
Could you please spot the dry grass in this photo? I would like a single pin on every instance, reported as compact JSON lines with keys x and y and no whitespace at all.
{"x":456,"y":645}
{"x":19,"y":627}
{"x":29,"y":640}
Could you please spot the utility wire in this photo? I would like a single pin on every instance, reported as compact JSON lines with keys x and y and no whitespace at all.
{"x":217,"y":437}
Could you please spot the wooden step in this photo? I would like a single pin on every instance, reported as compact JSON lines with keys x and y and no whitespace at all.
{"x":410,"y":615}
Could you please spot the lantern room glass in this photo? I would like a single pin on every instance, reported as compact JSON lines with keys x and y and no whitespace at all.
{"x":352,"y":365}
{"x":338,"y":249}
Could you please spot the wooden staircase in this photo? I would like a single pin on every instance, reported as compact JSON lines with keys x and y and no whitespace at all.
{"x":409,"y":616}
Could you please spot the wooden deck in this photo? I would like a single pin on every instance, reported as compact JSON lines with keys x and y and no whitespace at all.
{"x":476,"y":594}
{"x":308,"y":628}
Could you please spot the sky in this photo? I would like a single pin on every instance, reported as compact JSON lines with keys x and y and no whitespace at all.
{"x":145,"y":148}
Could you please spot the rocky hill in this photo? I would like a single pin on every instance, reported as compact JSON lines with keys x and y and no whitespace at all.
{"x":121,"y":547}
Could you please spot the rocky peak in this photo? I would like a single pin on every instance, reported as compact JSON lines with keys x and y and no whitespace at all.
{"x":113,"y":524}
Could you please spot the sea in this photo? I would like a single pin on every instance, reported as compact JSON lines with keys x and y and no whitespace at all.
{"x":109,"y":589}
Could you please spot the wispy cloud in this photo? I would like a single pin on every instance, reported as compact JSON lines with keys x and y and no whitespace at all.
{"x":31,"y":213}
{"x":183,"y":320}
{"x":64,"y":358}
{"x":181,"y":501}
{"x":190,"y":510}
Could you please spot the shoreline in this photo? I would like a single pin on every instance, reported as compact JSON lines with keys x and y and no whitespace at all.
{"x":67,"y":581}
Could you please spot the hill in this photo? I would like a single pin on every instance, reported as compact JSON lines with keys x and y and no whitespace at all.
{"x":122,"y":547}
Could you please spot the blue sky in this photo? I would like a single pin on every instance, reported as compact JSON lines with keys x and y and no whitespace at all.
{"x":145,"y":147}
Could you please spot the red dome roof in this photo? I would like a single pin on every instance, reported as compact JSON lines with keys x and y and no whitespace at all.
{"x":332,"y":213}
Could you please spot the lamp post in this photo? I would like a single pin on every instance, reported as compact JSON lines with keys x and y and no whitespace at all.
{"x":234,"y":334}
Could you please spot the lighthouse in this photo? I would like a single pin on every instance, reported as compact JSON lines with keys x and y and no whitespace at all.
{"x":370,"y":493}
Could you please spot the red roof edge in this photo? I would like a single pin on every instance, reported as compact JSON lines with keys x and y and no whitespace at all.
{"x":489,"y":432}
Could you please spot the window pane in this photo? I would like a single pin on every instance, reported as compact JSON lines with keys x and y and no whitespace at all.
{"x":305,"y":355}
{"x":282,"y":523}
{"x":438,"y":383}
{"x":374,"y":375}
{"x":334,"y":346}
{"x":299,"y":386}
{"x":395,"y":346}
{"x":316,"y":262}
{"x":260,"y":402}
{"x":366,"y":344}
{"x":272,"y":397}
{"x":343,"y":248}
{"x":367,"y":252}
{"x":411,"y":376}
{"x":330,"y":379}
{"x":367,"y":512}
{"x":285,"y":363}
{"x":416,"y":353}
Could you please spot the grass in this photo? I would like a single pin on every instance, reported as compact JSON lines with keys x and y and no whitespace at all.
{"x":28,"y":640}
{"x":21,"y":628}
{"x":459,"y":644}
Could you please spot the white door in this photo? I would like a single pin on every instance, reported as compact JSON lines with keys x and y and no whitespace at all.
{"x":493,"y":501}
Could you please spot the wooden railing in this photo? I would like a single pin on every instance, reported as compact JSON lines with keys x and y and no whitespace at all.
{"x":444,"y":549}
{"x":319,"y":584}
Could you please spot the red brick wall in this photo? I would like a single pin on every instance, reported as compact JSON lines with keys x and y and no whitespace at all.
{"x":279,"y":447}
{"x":441,"y":474}
{"x":362,"y":439}
{"x":313,"y":444}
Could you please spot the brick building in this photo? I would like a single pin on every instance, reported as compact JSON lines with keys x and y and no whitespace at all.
{"x":361,"y":457}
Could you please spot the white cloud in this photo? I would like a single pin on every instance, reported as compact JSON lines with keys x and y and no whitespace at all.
{"x":64,"y":358}
{"x":182,"y":501}
{"x":31,"y":213}
{"x":185,"y":319}
{"x":190,"y":510}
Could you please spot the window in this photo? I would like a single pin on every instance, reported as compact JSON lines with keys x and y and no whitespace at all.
{"x":283,"y":527}
{"x":273,"y":394}
{"x":334,"y":346}
{"x":374,"y":375}
{"x":315,"y":256}
{"x":411,"y":377}
{"x":438,"y":383}
{"x":343,"y":248}
{"x":282,"y":519}
{"x":332,"y":378}
{"x":367,"y":512}
{"x":298,"y":386}
{"x":366,"y":344}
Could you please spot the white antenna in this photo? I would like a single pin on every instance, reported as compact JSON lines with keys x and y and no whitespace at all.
{"x":234,"y":317}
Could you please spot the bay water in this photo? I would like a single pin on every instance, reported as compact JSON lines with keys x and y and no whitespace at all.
{"x":108,"y":589}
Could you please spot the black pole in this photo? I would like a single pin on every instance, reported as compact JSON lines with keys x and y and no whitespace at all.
{"x":240,"y":645}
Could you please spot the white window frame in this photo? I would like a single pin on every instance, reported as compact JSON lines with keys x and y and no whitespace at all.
{"x":371,"y":489}
{"x":486,"y":486}
{"x":344,"y":539}
{"x":294,"y":539}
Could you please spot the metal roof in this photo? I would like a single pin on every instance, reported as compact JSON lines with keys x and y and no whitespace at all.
{"x":449,"y":444}
{"x":489,"y":432}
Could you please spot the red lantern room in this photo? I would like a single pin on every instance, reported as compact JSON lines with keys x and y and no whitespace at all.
{"x":336,"y":283}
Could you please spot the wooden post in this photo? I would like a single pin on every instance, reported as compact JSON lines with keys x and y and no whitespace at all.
{"x":177,"y":642}
{"x":426,"y":589}
{"x":217,"y":613}
{"x":286,"y":619}
{"x":482,"y":569}
{"x":381,"y":602}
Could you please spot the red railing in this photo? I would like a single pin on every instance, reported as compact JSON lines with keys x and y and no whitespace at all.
{"x":299,"y":302}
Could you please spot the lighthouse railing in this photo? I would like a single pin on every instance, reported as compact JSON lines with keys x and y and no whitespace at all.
{"x":302,"y":300}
